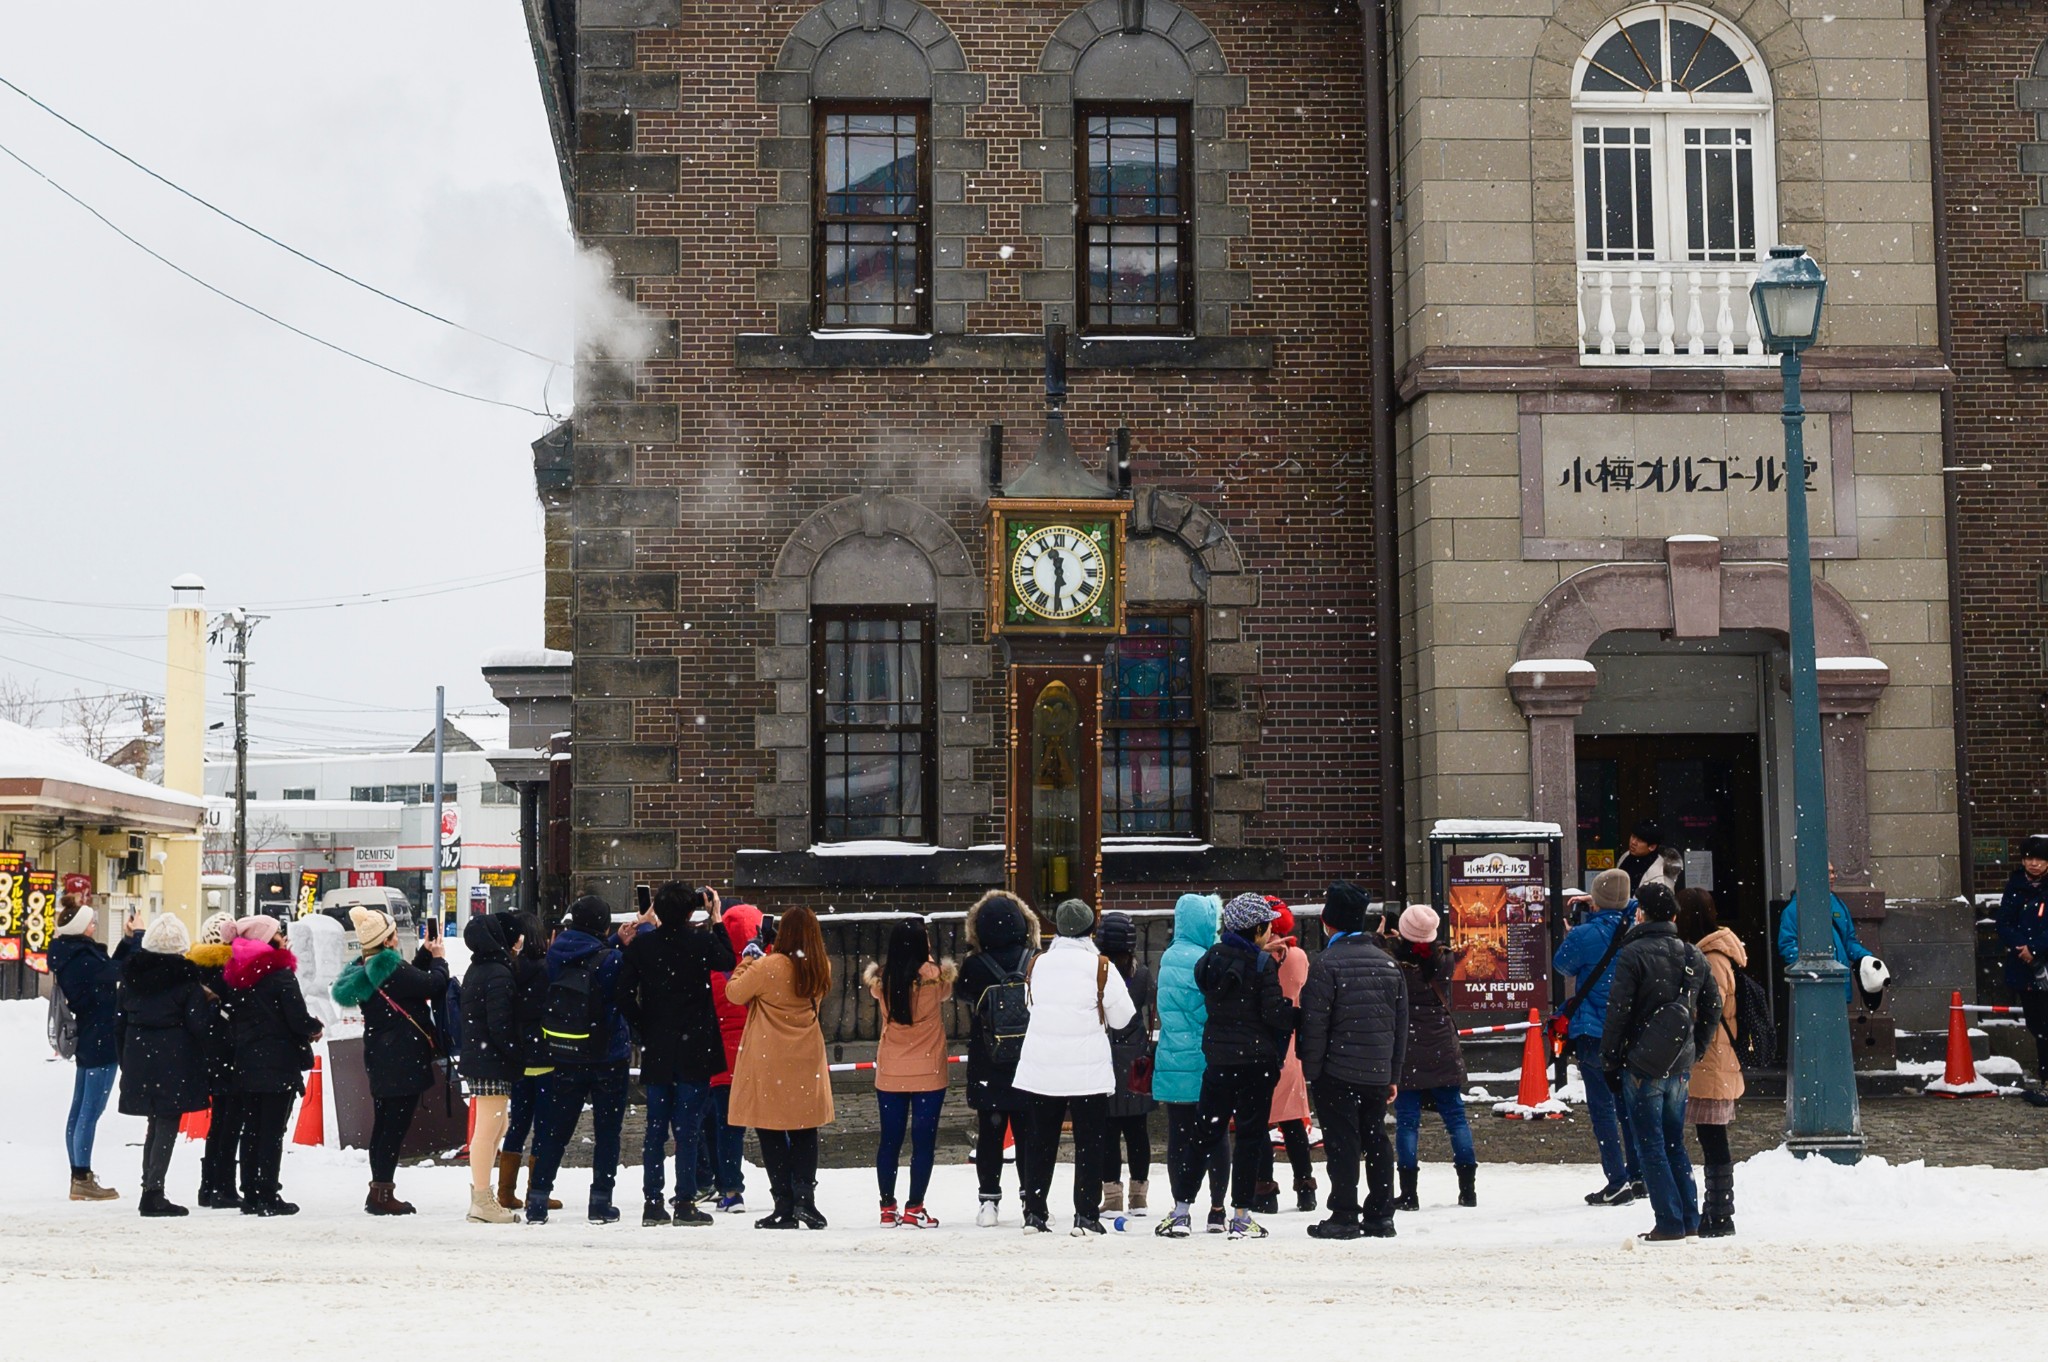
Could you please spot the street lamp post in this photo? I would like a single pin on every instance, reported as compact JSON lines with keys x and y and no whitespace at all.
{"x":1820,"y":1102}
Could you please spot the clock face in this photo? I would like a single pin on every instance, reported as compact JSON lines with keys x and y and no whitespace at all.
{"x":1059,"y":572}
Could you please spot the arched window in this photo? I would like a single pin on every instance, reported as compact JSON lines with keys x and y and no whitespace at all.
{"x":1677,"y":184}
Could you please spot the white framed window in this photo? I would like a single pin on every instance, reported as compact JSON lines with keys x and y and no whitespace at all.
{"x":1675,"y":182}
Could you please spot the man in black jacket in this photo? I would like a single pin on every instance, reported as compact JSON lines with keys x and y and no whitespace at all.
{"x":1354,"y":1039}
{"x":1243,"y":1043}
{"x":1661,"y":1014}
{"x":665,"y":992}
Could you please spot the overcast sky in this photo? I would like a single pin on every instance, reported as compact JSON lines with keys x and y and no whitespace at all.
{"x":152,"y":429}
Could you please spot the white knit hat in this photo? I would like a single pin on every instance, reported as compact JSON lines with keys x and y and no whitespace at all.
{"x":167,"y":936}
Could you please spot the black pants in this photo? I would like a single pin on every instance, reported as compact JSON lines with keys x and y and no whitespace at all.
{"x":1241,"y":1094}
{"x":1295,"y":1135}
{"x":989,"y":1130}
{"x":1130,"y":1133}
{"x":791,"y":1158}
{"x":223,"y":1133}
{"x":1713,"y":1146}
{"x":157,"y":1144}
{"x":264,"y":1115}
{"x":1038,"y":1150}
{"x":2034,"y":1011}
{"x":1355,"y":1120}
{"x":1193,"y":1149}
{"x":392,"y":1118}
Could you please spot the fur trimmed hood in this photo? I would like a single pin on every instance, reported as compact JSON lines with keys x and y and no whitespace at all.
{"x":999,"y":920}
{"x":361,"y":980}
{"x":252,"y":961}
{"x":948,"y":972}
{"x":211,"y":955}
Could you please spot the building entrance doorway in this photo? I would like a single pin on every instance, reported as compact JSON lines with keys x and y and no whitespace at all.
{"x":1705,"y":792}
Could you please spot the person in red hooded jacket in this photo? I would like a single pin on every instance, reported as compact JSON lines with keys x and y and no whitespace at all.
{"x":1290,"y":1114}
{"x":723,"y":1141}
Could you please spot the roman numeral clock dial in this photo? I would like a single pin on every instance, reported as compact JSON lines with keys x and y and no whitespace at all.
{"x":1059,"y":572}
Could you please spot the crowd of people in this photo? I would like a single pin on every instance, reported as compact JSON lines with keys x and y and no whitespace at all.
{"x":1237,"y":1032}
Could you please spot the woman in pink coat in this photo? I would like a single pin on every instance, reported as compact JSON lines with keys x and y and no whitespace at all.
{"x":1290,"y":1096}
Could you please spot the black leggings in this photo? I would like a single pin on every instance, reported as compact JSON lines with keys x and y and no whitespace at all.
{"x":387,"y":1133}
{"x":1295,"y":1133}
{"x":223,"y":1134}
{"x":990,"y":1128}
{"x":157,"y":1145}
{"x":1131,"y":1133}
{"x":1241,"y":1095}
{"x":1713,"y":1146}
{"x":1192,"y":1150}
{"x":791,"y":1158}
{"x":264,"y":1115}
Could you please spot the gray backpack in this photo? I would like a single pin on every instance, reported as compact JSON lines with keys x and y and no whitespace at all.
{"x":62,"y":1026}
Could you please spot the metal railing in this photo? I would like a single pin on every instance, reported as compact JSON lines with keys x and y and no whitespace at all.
{"x":1668,"y":314}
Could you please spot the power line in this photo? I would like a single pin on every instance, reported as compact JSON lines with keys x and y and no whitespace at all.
{"x":386,"y":596}
{"x":281,"y":245}
{"x":214,"y":289}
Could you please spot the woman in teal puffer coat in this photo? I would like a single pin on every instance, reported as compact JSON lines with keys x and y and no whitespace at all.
{"x":1177,"y":1068}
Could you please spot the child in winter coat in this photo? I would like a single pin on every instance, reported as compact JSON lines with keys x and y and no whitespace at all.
{"x":274,"y":1037}
{"x":398,"y":1040}
{"x":224,"y":1120}
{"x":1130,"y":1049}
{"x":1434,"y":1068}
{"x":1192,"y":1149}
{"x":910,"y":1064}
{"x":1249,"y":1026}
{"x":1002,"y":937}
{"x":1290,"y":1094}
{"x":164,"y":1020}
{"x":1717,"y":1081}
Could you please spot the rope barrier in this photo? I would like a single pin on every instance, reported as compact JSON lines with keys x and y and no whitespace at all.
{"x":867,"y":1064}
{"x":1493,"y":1030}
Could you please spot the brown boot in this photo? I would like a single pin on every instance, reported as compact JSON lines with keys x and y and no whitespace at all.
{"x":508,"y":1182}
{"x":383,"y":1200}
{"x":553,"y":1204}
{"x":86,"y":1187}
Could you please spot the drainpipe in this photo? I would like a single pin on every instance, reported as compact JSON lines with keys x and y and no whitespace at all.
{"x":1379,"y":260}
{"x":1952,"y":536}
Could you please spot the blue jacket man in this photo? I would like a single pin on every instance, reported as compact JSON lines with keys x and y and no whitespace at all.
{"x":602,"y":1084}
{"x":1848,"y":950}
{"x":1580,"y":955}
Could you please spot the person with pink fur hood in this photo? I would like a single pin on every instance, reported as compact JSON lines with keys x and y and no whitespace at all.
{"x":273,"y":1036}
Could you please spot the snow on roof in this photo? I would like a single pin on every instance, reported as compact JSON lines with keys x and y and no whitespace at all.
{"x":527,"y":657}
{"x":1550,"y":664}
{"x":488,"y":729}
{"x":30,"y":754}
{"x":1493,"y":827}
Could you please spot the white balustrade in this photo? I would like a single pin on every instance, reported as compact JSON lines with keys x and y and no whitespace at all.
{"x":1631,"y":313}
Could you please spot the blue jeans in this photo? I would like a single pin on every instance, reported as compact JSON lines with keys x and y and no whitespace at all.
{"x":1616,"y":1139}
{"x":90,"y":1089}
{"x":920,"y":1111}
{"x":528,"y":1094}
{"x":728,"y":1143}
{"x":1656,"y":1110}
{"x":568,"y":1088}
{"x":677,"y":1107}
{"x":1449,"y":1104}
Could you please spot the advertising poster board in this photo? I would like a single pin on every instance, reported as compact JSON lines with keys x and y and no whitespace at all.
{"x":309,"y":891}
{"x":39,"y":918}
{"x":13,"y":900}
{"x":1499,"y":921}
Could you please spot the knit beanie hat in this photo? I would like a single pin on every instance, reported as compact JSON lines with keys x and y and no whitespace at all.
{"x":1116,"y":934}
{"x":1610,"y":890}
{"x":1345,"y":907}
{"x":167,"y":936}
{"x":1073,"y":918}
{"x":1419,"y":923}
{"x":373,"y":928}
{"x":262,"y":928}
{"x":218,"y":930}
{"x":1283,"y":917}
{"x":76,"y":919}
{"x":1245,"y":913}
{"x":2035,"y":848}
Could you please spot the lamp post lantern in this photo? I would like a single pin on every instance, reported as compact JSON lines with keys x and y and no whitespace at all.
{"x":1820,"y":1103}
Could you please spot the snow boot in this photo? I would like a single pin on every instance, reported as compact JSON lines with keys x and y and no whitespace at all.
{"x":1467,"y":1194}
{"x":219,"y":1199}
{"x":1336,"y":1227}
{"x":690,"y":1213}
{"x":86,"y":1187}
{"x":383,"y":1200}
{"x":1112,"y":1196}
{"x":1305,"y":1193}
{"x":601,"y":1211}
{"x":553,"y":1204}
{"x":1136,"y":1202}
{"x":1377,"y":1229}
{"x":536,"y":1208}
{"x":1717,"y":1218}
{"x":508,"y":1182}
{"x":654,"y":1211}
{"x":485,"y":1210}
{"x":1407,"y":1201}
{"x":155,"y":1204}
{"x":807,"y":1214}
{"x":783,"y":1217}
{"x":1266,"y":1198}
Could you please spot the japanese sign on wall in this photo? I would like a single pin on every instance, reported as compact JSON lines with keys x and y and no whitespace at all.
{"x":309,"y":890}
{"x":13,"y":893}
{"x":1612,"y":476}
{"x":1500,"y":931}
{"x":39,"y":918}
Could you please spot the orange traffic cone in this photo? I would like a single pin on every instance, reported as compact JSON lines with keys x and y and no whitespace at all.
{"x":311,"y":1128}
{"x":1535,"y":1089}
{"x":1959,"y":1078}
{"x":1009,"y":1143}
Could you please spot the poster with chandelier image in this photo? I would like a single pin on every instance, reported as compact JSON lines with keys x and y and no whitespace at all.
{"x":1497,"y":905}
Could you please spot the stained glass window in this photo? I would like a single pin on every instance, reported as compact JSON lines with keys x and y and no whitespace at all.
{"x":1152,"y":730}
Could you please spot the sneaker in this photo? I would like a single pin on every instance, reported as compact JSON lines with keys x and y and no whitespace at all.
{"x":1174,"y":1226}
{"x":1336,"y":1227}
{"x":1604,"y":1197}
{"x":987,"y":1217}
{"x":1242,"y":1226}
{"x":1638,"y":1190}
{"x":1085,"y":1225}
{"x":1663,"y":1237}
{"x":1219,"y":1220}
{"x":654,"y":1212}
{"x":889,"y":1216}
{"x":731,"y":1203}
{"x":603,"y":1212}
{"x":707,"y":1195}
{"x":1622,"y":1195}
{"x":918,"y":1218}
{"x":269,"y":1206}
{"x":693,"y":1214}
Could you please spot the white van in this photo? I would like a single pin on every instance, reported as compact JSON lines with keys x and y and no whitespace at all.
{"x":335,"y":903}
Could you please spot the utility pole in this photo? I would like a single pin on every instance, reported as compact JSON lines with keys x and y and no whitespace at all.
{"x":239,"y":622}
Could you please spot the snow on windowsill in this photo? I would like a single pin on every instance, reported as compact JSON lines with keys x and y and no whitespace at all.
{"x":1133,"y":844}
{"x":872,"y":335}
{"x":1692,"y":538}
{"x":528,"y":657}
{"x":1493,"y":827}
{"x":1850,"y":664}
{"x":1550,"y":664}
{"x":875,"y":848}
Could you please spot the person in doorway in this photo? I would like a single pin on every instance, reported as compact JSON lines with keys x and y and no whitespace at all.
{"x":1002,"y":937}
{"x":2023,"y":931}
{"x":164,"y":1022}
{"x":1849,"y":952}
{"x":1434,"y":1067}
{"x":1192,"y":1149}
{"x":399,"y":1049}
{"x":90,"y":980}
{"x":584,"y":1039}
{"x":910,"y":1065}
{"x":1249,"y":1026}
{"x":665,"y":993}
{"x":1586,"y":956}
{"x":1661,"y":1014}
{"x":224,"y":1119}
{"x":1717,"y":1082}
{"x":743,"y":925}
{"x":780,"y":1085}
{"x":274,"y":1037}
{"x":1067,"y":1070}
{"x":1354,"y":1041}
{"x":1290,"y":1095}
{"x":1643,"y":840}
{"x":493,"y":1055}
{"x":1130,"y":1051}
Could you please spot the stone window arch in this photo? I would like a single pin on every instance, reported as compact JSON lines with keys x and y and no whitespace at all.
{"x":2033,"y":98}
{"x":866,"y":551}
{"x":1136,"y":51}
{"x":870,"y":50}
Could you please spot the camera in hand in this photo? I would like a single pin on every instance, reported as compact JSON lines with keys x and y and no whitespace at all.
{"x":764,"y":937}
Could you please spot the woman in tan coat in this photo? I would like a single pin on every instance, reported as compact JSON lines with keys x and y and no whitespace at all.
{"x":780,"y":1086}
{"x":910,"y":1065}
{"x":1717,"y":1075}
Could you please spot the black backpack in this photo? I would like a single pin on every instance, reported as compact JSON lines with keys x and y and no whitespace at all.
{"x":1753,"y":1037}
{"x":1003,"y":1012}
{"x":572,"y":1028}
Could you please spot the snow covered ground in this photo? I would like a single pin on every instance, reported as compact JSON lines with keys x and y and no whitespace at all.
{"x":1872,"y":1262}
